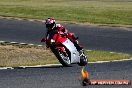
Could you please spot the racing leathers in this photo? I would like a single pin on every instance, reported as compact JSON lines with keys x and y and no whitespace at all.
{"x":63,"y":31}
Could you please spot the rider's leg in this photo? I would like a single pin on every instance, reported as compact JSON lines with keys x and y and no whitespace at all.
{"x":74,"y":38}
{"x":77,"y":45}
{"x":79,"y":48}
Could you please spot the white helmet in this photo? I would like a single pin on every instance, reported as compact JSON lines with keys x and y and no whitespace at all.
{"x":50,"y":23}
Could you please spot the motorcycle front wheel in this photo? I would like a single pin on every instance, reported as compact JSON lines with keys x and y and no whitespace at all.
{"x":83,"y":61}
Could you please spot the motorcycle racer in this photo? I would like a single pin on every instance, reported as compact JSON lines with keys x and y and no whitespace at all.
{"x":52,"y":27}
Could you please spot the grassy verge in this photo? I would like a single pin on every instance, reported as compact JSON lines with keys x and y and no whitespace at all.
{"x":93,"y":11}
{"x":21,"y":55}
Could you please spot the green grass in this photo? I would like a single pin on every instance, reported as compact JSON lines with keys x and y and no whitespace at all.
{"x":93,"y":11}
{"x":21,"y":55}
{"x":106,"y":56}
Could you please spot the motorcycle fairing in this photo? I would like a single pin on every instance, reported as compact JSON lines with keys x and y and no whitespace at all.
{"x":74,"y":53}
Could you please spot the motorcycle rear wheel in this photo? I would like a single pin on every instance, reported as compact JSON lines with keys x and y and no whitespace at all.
{"x":63,"y":59}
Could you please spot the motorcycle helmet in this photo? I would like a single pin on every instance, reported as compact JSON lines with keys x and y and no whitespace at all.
{"x":50,"y":23}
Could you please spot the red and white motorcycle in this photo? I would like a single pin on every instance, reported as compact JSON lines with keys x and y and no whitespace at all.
{"x":65,"y":50}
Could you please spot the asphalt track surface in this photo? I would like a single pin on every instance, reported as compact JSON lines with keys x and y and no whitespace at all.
{"x":65,"y":77}
{"x":91,"y":37}
{"x":96,"y":38}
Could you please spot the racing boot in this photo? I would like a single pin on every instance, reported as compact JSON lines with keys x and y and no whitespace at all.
{"x":79,"y":49}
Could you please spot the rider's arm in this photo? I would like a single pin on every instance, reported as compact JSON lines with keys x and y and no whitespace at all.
{"x":64,"y":30}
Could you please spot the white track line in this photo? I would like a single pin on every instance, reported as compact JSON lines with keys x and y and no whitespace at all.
{"x":40,"y":45}
{"x":23,"y":43}
{"x":20,"y":43}
{"x":50,"y":65}
{"x":112,"y":52}
{"x":6,"y":68}
{"x":36,"y":66}
{"x":14,"y":42}
{"x":88,"y":50}
{"x":2,"y":41}
{"x":31,"y":20}
{"x":31,"y":44}
{"x":112,"y":61}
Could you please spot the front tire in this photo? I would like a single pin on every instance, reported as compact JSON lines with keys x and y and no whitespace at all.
{"x":83,"y":59}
